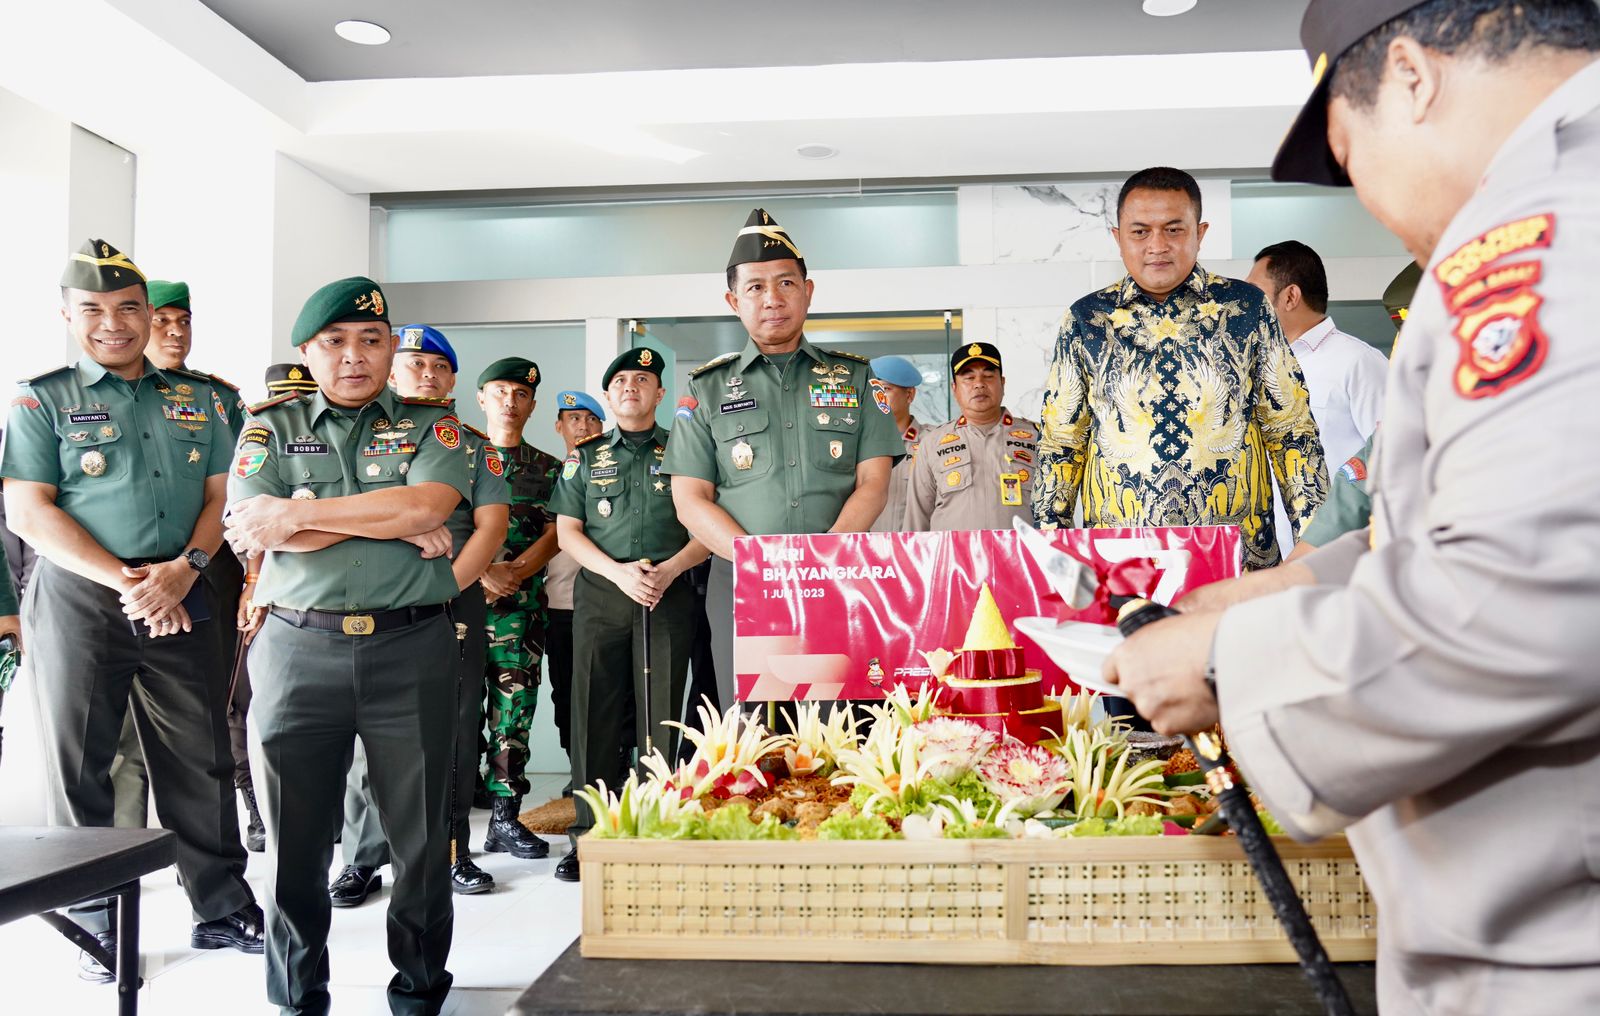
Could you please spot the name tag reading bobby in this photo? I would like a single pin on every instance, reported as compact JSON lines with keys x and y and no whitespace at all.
{"x":305,"y":448}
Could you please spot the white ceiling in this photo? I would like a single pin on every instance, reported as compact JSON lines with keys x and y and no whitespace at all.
{"x":469,"y":38}
{"x":936,"y":89}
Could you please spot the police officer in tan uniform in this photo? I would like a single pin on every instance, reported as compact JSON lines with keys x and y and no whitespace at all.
{"x":975,"y":472}
{"x":1429,"y":682}
{"x":894,"y":387}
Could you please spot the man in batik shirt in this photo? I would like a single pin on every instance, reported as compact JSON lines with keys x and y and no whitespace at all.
{"x":1173,"y":398}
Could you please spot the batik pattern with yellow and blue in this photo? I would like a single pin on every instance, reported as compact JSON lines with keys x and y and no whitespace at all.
{"x":1178,"y":412}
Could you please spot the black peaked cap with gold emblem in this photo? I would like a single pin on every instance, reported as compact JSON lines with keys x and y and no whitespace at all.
{"x":762,"y":239}
{"x":357,"y":298}
{"x":283,"y":378}
{"x":98,"y":267}
{"x":638,"y":358}
{"x":985,"y":352}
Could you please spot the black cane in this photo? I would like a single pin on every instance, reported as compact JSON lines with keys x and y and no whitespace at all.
{"x":649,"y":719}
{"x":1233,"y":801}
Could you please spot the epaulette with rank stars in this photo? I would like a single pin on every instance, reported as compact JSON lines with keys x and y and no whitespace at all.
{"x":719,"y":361}
{"x":591,"y":437}
{"x":417,"y":400}
{"x":224,"y":382}
{"x":280,"y":400}
{"x":847,"y":356}
{"x":470,"y":429}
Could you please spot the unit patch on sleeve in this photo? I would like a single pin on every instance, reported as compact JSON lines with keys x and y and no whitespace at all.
{"x":1502,"y":344}
{"x":447,"y":432}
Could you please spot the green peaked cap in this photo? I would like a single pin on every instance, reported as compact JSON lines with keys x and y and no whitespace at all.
{"x":762,"y":239}
{"x":514,"y":369}
{"x":638,"y":358}
{"x":168,"y":294}
{"x":357,"y":298}
{"x":98,"y":267}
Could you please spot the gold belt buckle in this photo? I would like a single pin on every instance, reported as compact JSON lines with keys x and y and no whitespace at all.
{"x":359,"y":624}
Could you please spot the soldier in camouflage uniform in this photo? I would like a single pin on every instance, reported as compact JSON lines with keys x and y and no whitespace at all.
{"x":514,"y":587}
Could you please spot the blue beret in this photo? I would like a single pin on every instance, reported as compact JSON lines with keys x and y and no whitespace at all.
{"x":578,"y":400}
{"x":896,"y":370}
{"x":426,"y":339}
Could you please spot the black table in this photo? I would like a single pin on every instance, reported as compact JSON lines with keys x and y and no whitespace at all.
{"x":574,"y":986}
{"x":43,"y":869}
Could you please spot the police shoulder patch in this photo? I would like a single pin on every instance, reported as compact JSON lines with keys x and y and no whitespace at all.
{"x":710,"y":364}
{"x":841,"y":354}
{"x":470,"y":429}
{"x":279,"y":401}
{"x":493,"y":462}
{"x":447,"y":431}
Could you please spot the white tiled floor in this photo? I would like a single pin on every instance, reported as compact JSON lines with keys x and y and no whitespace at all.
{"x":503,"y":941}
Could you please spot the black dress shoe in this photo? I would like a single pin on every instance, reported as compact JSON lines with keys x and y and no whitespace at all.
{"x":241,"y":930}
{"x":567,"y":868}
{"x":467,"y":879}
{"x":354,"y":884}
{"x":91,"y":969}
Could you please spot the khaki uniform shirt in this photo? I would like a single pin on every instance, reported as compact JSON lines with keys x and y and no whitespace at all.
{"x":781,"y":445}
{"x":893,"y":517}
{"x":559,"y":577}
{"x":301,"y":446}
{"x":128,"y":459}
{"x":1438,"y":690}
{"x":617,"y":490}
{"x":969,"y":477}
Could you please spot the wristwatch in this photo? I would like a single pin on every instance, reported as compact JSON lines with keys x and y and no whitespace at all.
{"x":197,"y":558}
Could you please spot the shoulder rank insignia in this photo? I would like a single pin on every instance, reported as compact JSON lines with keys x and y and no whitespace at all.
{"x":224,"y":382}
{"x":470,"y":429}
{"x":420,"y":401}
{"x":49,"y":374}
{"x":719,"y":361}
{"x":841,"y":354}
{"x":587,"y":440}
{"x":280,"y":400}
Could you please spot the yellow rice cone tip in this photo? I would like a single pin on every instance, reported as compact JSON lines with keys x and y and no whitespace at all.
{"x":988,"y":629}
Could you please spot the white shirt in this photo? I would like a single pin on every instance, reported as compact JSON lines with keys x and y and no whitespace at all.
{"x":1345,"y":378}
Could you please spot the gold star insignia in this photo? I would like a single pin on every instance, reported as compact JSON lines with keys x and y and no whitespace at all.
{"x":194,"y":455}
{"x":660,"y":486}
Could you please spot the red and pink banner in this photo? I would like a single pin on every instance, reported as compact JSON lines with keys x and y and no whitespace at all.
{"x":849,"y":616}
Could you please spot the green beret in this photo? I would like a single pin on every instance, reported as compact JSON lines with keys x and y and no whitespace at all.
{"x":357,"y":298}
{"x":761,"y":239}
{"x":98,"y":267}
{"x":168,"y":294}
{"x":514,"y":369}
{"x":638,"y":358}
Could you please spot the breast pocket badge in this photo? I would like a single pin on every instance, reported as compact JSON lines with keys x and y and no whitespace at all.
{"x":604,"y":508}
{"x":743,"y":455}
{"x":93,"y":463}
{"x":835,"y":449}
{"x":1011,"y":489}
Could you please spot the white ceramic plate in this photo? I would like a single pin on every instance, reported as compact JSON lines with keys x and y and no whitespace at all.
{"x":1078,"y":647}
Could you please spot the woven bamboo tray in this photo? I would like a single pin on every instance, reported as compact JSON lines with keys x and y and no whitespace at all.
{"x":1158,"y":899}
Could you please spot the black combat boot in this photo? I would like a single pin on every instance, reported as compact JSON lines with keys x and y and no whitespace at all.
{"x":507,"y":834}
{"x":255,"y":834}
{"x":466,"y":878}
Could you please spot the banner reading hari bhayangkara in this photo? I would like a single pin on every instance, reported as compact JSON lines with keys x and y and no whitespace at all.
{"x":849,"y":616}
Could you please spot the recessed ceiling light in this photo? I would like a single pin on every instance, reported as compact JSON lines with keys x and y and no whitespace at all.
{"x":1167,"y":8}
{"x":363,"y":33}
{"x":816,"y":151}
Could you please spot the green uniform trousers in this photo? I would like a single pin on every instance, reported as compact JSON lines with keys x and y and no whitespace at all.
{"x":363,"y":841}
{"x":608,"y":660}
{"x":88,"y":664}
{"x":315,"y":692}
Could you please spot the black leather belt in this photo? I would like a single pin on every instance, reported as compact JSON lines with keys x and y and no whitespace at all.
{"x":370,"y":623}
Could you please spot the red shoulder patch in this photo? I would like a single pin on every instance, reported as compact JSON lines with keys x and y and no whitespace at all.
{"x":26,"y":402}
{"x":496,"y":464}
{"x":1502,"y":344}
{"x":448,"y":432}
{"x":1458,"y":267}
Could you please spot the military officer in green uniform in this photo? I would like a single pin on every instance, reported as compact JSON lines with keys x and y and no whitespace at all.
{"x":425,"y":368}
{"x":171,"y":339}
{"x":616,"y":518}
{"x":514,"y":587}
{"x":114,"y":472}
{"x":347,"y":493}
{"x":780,"y":437}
